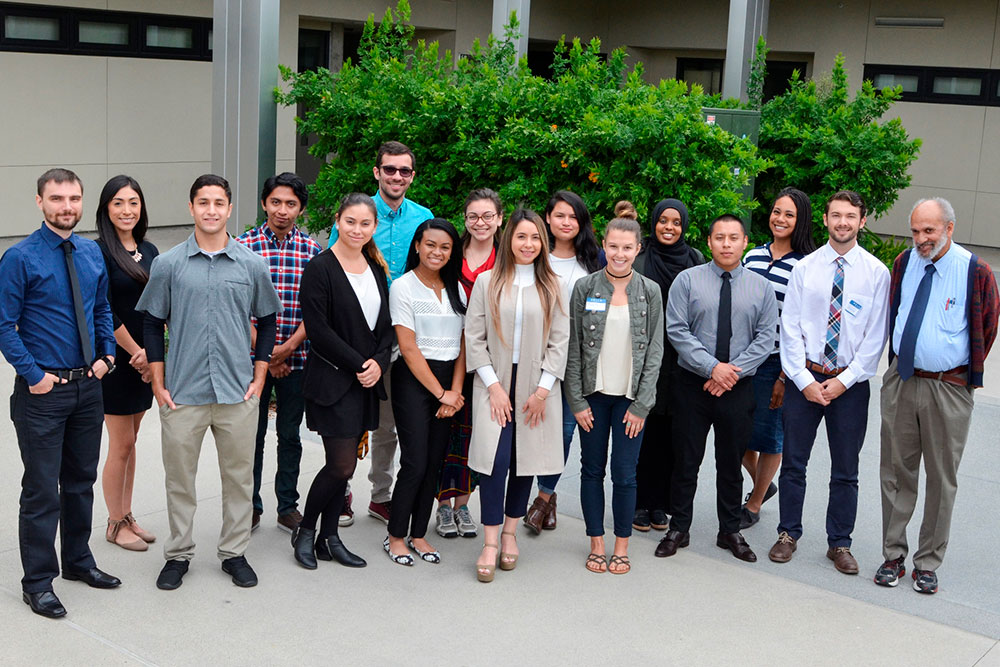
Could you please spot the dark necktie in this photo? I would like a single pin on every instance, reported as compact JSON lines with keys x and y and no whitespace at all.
{"x":725,"y":330}
{"x":81,"y":318}
{"x":908,"y":342}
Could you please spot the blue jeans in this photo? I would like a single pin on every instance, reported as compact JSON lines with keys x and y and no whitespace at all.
{"x":547,"y":483}
{"x":846,"y":422}
{"x":609,"y":411}
{"x":288,"y":393}
{"x":768,"y":431}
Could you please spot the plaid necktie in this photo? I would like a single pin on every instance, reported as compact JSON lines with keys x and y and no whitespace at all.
{"x":833,"y":323}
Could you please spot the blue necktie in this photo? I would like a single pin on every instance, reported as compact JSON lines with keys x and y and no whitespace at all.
{"x":908,"y":342}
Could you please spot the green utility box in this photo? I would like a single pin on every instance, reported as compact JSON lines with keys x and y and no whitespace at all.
{"x":745,"y":124}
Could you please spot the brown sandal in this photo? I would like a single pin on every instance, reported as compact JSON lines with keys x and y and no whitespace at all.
{"x":114,"y":536}
{"x":599,"y":562}
{"x":508,"y":561}
{"x":490,"y":570}
{"x":621,"y":561}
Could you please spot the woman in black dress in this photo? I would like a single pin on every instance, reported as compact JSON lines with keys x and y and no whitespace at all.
{"x":345,"y":307}
{"x":121,"y":225}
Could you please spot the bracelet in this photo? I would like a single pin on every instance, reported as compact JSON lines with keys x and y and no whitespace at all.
{"x":535,"y":394}
{"x":781,"y":380}
{"x":443,"y":392}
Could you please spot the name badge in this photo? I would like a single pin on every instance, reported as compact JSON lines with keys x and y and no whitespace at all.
{"x":597,"y":305}
{"x":853,"y":308}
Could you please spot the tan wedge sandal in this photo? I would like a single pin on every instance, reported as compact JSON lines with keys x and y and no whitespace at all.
{"x":491,"y":570}
{"x":508,"y":561}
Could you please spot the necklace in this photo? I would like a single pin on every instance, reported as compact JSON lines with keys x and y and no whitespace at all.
{"x":614,"y":277}
{"x":136,"y":255}
{"x":429,"y":283}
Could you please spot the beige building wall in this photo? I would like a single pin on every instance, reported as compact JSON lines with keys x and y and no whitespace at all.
{"x":152,"y":118}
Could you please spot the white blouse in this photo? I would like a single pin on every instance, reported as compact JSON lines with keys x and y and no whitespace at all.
{"x":569,"y":270}
{"x":524,"y":276}
{"x":614,"y":363}
{"x":366,"y":289}
{"x":438,"y":328}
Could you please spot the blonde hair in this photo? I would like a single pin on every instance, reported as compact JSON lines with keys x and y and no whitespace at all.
{"x":370,"y":250}
{"x":502,"y":276}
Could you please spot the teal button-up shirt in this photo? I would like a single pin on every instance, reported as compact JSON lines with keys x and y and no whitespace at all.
{"x":395,"y":231}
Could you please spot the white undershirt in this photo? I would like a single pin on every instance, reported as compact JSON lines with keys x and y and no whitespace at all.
{"x":524,"y":276}
{"x":569,"y":270}
{"x":366,"y":290}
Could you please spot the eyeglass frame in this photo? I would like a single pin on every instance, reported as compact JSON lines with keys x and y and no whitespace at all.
{"x":473,"y":218}
{"x":405,"y":172}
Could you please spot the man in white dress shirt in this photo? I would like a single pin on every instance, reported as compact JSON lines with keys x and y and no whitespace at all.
{"x":833,"y":329}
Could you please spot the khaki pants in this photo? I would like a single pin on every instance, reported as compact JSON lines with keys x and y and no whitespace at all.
{"x":921,"y":419}
{"x":182,"y":431}
{"x":383,"y":447}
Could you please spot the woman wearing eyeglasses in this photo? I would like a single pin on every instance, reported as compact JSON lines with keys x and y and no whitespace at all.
{"x":574,"y":254}
{"x":483,"y":214}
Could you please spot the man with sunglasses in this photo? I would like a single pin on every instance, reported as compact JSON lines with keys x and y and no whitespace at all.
{"x":398,"y":219}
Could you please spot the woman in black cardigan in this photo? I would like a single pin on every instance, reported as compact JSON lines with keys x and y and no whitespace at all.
{"x":345,"y":308}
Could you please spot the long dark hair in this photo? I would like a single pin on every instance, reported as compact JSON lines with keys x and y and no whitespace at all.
{"x":452,"y":269}
{"x":109,"y":234}
{"x":585,"y":243}
{"x":802,"y":235}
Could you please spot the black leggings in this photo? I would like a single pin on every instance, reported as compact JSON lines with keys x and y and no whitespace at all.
{"x":423,"y":439}
{"x":326,"y":495}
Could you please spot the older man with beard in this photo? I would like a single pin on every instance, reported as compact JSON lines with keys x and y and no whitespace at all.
{"x":943,"y":320}
{"x":56,"y":331}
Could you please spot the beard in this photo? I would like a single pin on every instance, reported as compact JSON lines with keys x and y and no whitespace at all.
{"x":936,"y":249}
{"x":64,"y":225}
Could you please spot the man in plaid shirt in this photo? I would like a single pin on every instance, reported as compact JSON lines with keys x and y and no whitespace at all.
{"x":287,"y":249}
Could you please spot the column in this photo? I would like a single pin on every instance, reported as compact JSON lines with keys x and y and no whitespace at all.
{"x":501,"y":13}
{"x":747,"y":22}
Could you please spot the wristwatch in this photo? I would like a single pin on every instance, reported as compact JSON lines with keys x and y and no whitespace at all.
{"x":109,"y":362}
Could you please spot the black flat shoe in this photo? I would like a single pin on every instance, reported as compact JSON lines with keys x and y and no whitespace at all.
{"x":658,"y":520}
{"x":332,"y":548}
{"x":172,"y":575}
{"x":772,"y":489}
{"x":92,"y":577}
{"x":748,"y":518}
{"x":44,"y":603}
{"x":303,"y":547}
{"x":640,"y":520}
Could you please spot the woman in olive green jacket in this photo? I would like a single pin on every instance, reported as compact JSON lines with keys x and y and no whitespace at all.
{"x":615,"y":351}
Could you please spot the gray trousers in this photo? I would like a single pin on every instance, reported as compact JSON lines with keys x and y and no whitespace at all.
{"x":921,"y":419}
{"x":181,"y":431}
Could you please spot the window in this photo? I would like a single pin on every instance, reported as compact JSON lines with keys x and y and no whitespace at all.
{"x":87,"y":32}
{"x":706,"y":72}
{"x":778,"y":74}
{"x":944,"y":85}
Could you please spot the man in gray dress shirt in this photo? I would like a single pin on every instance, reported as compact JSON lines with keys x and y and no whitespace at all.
{"x":721,"y":320}
{"x":206,"y":290}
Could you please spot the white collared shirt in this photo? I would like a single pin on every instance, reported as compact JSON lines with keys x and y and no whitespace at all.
{"x":864,"y":315}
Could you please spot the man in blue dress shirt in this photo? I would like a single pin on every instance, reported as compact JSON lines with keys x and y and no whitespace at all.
{"x":398,"y":218}
{"x":57,"y":333}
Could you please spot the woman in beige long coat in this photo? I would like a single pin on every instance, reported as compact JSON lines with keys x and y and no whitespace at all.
{"x":516,"y":338}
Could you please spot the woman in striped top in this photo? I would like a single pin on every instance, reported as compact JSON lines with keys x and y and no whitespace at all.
{"x":791,"y":234}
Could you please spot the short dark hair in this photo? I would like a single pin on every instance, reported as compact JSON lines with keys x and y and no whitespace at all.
{"x":206,"y":180}
{"x":290,"y":180}
{"x":851,"y":197}
{"x":395,"y":148}
{"x":57,"y":175}
{"x":727,"y":217}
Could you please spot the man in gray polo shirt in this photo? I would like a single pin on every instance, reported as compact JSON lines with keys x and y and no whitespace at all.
{"x":206,"y":290}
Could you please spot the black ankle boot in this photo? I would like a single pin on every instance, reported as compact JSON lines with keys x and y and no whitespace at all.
{"x":303,"y":544}
{"x":331,"y":548}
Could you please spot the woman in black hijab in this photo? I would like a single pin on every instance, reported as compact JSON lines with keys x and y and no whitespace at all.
{"x":664,"y":254}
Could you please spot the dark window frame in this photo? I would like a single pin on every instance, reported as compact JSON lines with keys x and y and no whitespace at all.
{"x":684,"y":63}
{"x":69,"y":33}
{"x":988,"y":94}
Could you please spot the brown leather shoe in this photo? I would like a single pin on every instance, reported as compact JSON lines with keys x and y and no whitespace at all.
{"x":671,"y":542}
{"x":842,"y":559}
{"x":536,"y":515}
{"x":550,"y":515}
{"x":735,"y":543}
{"x":783,"y":549}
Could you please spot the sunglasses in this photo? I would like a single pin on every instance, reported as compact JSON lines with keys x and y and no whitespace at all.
{"x":389,"y":170}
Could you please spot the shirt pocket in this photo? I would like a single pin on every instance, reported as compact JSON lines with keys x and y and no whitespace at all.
{"x":240,"y":292}
{"x":953,"y":315}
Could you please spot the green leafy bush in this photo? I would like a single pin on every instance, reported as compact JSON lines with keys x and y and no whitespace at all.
{"x":820,"y":141}
{"x":594,"y":127}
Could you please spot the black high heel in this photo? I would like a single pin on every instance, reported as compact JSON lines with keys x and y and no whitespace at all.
{"x":332,"y":548}
{"x":303,"y":545}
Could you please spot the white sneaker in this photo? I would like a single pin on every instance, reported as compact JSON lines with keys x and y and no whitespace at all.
{"x":445,"y":520}
{"x":466,"y":526}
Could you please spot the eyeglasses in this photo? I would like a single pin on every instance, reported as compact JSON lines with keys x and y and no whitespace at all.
{"x":389,"y":170}
{"x":473,"y":218}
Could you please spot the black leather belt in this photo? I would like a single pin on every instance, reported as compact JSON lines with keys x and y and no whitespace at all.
{"x":69,"y":374}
